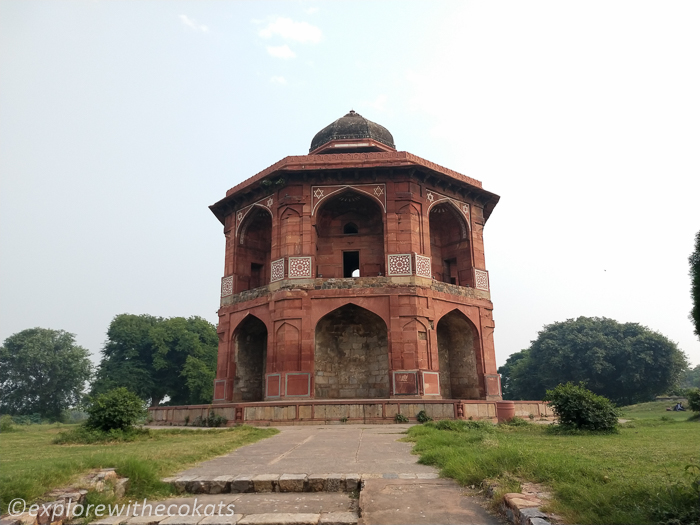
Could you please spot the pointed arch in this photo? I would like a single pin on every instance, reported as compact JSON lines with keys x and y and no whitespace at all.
{"x":450,"y":247}
{"x":249,"y":359}
{"x":459,"y":357}
{"x":339,"y":254}
{"x":351,"y":356}
{"x":254,"y":248}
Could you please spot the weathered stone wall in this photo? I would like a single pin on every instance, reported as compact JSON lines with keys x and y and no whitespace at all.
{"x":352,"y":355}
{"x":250,"y":344}
{"x":457,"y":358}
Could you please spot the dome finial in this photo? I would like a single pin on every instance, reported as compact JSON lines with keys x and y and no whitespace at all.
{"x":354,"y":127}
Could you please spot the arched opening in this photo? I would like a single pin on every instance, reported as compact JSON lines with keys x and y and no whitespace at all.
{"x":254,"y":245}
{"x":449,"y":246}
{"x":351,"y":356}
{"x":250,"y":358}
{"x":458,"y":357}
{"x":340,"y":251}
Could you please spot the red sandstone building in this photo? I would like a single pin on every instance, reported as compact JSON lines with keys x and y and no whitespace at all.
{"x":355,"y":272}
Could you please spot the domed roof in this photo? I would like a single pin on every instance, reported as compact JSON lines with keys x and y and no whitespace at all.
{"x":352,"y":126}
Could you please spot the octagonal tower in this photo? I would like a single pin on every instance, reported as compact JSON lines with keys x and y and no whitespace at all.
{"x":355,"y":272}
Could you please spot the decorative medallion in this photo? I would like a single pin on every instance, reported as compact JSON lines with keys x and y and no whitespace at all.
{"x":423,"y":266}
{"x":227,"y":286}
{"x":399,"y":264}
{"x":277,"y":270}
{"x":299,"y":267}
{"x":481,"y":280}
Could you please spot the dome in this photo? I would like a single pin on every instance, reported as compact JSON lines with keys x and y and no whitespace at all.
{"x":352,"y":126}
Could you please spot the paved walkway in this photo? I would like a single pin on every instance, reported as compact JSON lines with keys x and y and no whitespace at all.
{"x":361,"y":449}
{"x":396,"y":489}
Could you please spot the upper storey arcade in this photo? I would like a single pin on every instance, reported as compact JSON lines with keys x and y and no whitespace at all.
{"x":354,"y":207}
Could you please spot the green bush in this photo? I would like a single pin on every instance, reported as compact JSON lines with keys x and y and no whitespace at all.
{"x":212,"y":420}
{"x":579,"y":408}
{"x":422,"y":417}
{"x":400,"y":418}
{"x":116,"y":409}
{"x":693,"y":395}
{"x":32,"y":419}
{"x":6,"y":423}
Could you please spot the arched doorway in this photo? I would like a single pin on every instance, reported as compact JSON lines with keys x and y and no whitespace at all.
{"x":351,"y":356}
{"x":250,"y":358}
{"x":349,"y":236}
{"x":449,"y":245}
{"x":254,"y":245}
{"x":458,"y":357}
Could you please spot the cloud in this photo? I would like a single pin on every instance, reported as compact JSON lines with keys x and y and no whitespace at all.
{"x":192,"y":24}
{"x":312,"y":10}
{"x":379,"y":103}
{"x":281,"y":51}
{"x":279,"y":80}
{"x":291,"y":30}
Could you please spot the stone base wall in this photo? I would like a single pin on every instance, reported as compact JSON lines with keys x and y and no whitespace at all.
{"x":336,"y":411}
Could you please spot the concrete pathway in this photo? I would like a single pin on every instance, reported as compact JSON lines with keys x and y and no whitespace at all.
{"x":395,"y":488}
{"x":362,"y":449}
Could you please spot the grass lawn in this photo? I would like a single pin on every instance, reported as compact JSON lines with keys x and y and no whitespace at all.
{"x":634,"y":477}
{"x":656,"y":410}
{"x":31,"y":465}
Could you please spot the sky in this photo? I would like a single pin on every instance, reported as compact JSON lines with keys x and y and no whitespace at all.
{"x":121,"y":122}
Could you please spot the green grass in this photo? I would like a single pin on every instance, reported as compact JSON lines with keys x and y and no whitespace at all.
{"x":655,"y":410}
{"x":31,"y":465}
{"x":634,"y":477}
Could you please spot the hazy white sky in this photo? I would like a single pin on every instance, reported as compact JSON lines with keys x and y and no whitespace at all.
{"x":120,"y":122}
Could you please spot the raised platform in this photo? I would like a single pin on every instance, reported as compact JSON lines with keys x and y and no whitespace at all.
{"x":334,"y":411}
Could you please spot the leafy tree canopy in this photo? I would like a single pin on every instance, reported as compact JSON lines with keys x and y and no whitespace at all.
{"x":43,"y":372}
{"x":627,"y":363}
{"x":694,"y":261}
{"x":155,"y":357}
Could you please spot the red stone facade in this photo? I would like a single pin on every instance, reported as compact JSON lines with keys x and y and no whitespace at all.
{"x":355,"y":275}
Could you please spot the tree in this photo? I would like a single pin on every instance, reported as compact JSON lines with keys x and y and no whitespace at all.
{"x":690,"y":378}
{"x":694,"y":261}
{"x":42,"y":371}
{"x":155,"y":357}
{"x":508,"y":389}
{"x":626,"y":363}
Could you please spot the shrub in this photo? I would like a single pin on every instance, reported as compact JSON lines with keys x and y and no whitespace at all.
{"x":116,"y":409}
{"x":32,"y":419}
{"x":6,"y":423}
{"x":422,"y":417}
{"x":212,"y":420}
{"x":400,"y":418}
{"x":693,"y":395}
{"x":579,"y":408}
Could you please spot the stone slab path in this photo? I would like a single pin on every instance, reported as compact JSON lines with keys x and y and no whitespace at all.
{"x":395,"y":489}
{"x":362,"y":449}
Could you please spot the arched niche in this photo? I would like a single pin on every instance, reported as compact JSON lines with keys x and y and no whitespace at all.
{"x":351,"y":356}
{"x":449,"y":245}
{"x":253,"y":254}
{"x":349,"y":236}
{"x":250,"y":359}
{"x":458,"y":357}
